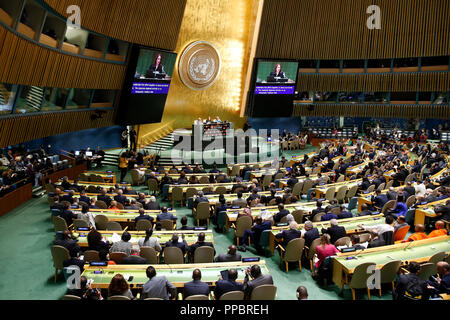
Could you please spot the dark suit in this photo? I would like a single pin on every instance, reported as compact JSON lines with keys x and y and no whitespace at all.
{"x":195,"y":287}
{"x":224,"y":286}
{"x":228,"y":257}
{"x":182,"y":245}
{"x":310,"y":236}
{"x":278,"y":216}
{"x":120,"y":199}
{"x":344,"y":215}
{"x":69,"y":244}
{"x":85,"y":199}
{"x":105,"y":199}
{"x":198,"y":245}
{"x":143,"y":217}
{"x":288,"y":235}
{"x":134,"y":260}
{"x":74,"y":262}
{"x":380,"y":201}
{"x":68,"y":216}
{"x":200,"y":199}
{"x":335,"y":232}
{"x":152,"y":206}
{"x":249,"y":285}
{"x":67,"y":197}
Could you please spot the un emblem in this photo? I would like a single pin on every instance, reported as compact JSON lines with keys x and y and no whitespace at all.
{"x":199,"y":65}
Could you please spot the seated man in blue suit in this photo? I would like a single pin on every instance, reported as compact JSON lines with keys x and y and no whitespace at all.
{"x":379,"y":200}
{"x":196,"y":286}
{"x":164,"y":215}
{"x":255,"y":232}
{"x":227,"y":285}
{"x":175,"y":243}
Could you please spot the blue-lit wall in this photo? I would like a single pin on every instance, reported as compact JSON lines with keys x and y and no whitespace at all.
{"x":107,"y":138}
{"x":290,"y":124}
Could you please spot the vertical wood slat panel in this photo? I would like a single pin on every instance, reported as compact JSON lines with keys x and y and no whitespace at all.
{"x":410,"y":28}
{"x":154,"y":23}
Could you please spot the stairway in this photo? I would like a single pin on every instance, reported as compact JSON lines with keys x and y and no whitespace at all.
{"x":162,"y":144}
{"x":111,"y":159}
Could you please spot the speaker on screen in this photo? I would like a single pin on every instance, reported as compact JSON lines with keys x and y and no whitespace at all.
{"x":273,"y":89}
{"x":146,"y":86}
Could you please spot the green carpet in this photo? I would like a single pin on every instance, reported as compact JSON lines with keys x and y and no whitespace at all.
{"x":26,"y":235}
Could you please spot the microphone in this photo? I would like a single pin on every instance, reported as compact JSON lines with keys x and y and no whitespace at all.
{"x":408,"y":245}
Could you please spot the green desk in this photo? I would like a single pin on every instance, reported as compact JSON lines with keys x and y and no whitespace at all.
{"x":123,"y":216}
{"x":350,"y":225}
{"x":191,"y":236}
{"x":419,"y":251}
{"x":178,"y":274}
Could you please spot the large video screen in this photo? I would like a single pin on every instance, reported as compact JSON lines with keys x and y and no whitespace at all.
{"x":146,"y":86}
{"x":276,"y":77}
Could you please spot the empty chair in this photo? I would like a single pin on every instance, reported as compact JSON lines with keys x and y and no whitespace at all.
{"x":341,"y":178}
{"x":316,"y":170}
{"x":293,"y":252}
{"x":143,"y":225}
{"x":80,"y":223}
{"x":439,"y":256}
{"x":381,"y":186}
{"x":329,"y":195}
{"x":389,"y":184}
{"x":197,"y":297}
{"x":168,"y":225}
{"x":177,"y":195}
{"x":221,"y":190}
{"x":59,"y":224}
{"x":307,"y":185}
{"x":91,"y":255}
{"x":388,"y":205}
{"x":401,"y":233}
{"x":410,"y":201}
{"x":388,"y":273}
{"x":113,"y":226}
{"x":204,"y":180}
{"x":233,"y":295}
{"x":101,"y":221}
{"x":204,"y":255}
{"x":117,"y":256}
{"x":344,"y":241}
{"x":153,"y":299}
{"x":118,"y":298}
{"x":298,"y":216}
{"x":59,"y":254}
{"x":318,"y":216}
{"x":352,"y":192}
{"x":235,"y":170}
{"x":152,"y":186}
{"x":266,"y":181}
{"x":135,"y":178}
{"x":359,"y":278}
{"x":371,"y":188}
{"x":364,"y":237}
{"x":190,"y":192}
{"x":173,"y":255}
{"x":264,"y":292}
{"x":427,"y":270}
{"x":297,"y":189}
{"x":149,"y":254}
{"x":340,"y":195}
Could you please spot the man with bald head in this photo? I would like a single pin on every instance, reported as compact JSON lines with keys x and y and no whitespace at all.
{"x":103,"y":197}
{"x":290,"y":234}
{"x":231,"y":255}
{"x":419,"y":233}
{"x":227,"y":285}
{"x":196,"y":286}
{"x":439,"y":231}
{"x":440,"y":284}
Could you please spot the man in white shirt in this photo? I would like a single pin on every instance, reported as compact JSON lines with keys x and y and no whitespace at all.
{"x":379,"y":229}
{"x":420,"y":189}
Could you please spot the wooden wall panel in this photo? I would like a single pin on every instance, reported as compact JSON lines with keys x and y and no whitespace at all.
{"x":149,"y":22}
{"x":436,"y":81}
{"x":18,"y":129}
{"x":24,"y":62}
{"x":374,"y":110}
{"x":324,"y":29}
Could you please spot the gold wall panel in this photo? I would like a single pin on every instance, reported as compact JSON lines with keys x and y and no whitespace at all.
{"x":227,"y":25}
